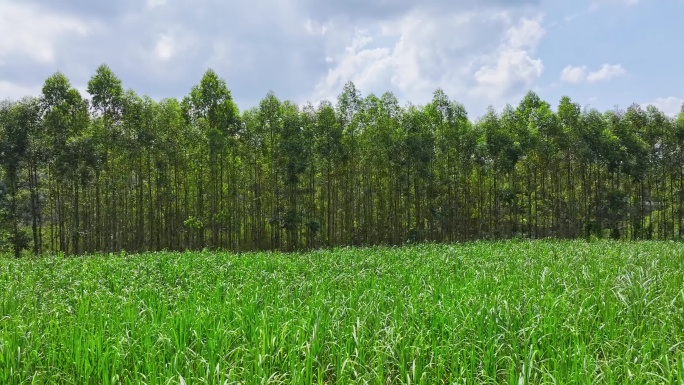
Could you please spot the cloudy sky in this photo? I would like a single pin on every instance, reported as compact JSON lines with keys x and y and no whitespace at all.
{"x":601,"y":53}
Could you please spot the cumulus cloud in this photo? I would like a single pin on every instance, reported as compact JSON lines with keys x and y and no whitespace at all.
{"x":368,"y":67}
{"x":30,"y":32}
{"x":606,"y":72}
{"x":478,"y":51}
{"x":477,"y":57}
{"x":671,"y":105}
{"x":514,"y":68}
{"x":571,"y":74}
{"x":579,"y":74}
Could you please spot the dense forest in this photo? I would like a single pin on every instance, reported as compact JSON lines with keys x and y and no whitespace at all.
{"x":117,"y":171}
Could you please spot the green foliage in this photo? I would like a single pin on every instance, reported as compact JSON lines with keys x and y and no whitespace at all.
{"x":513,"y":312}
{"x":193,"y":223}
{"x":18,"y":122}
{"x":107,"y":92}
{"x":122,"y":171}
{"x":211,"y":100}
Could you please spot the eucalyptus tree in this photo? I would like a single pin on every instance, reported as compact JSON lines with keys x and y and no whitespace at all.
{"x":677,"y":140}
{"x":600,"y":156}
{"x":13,"y":143}
{"x":36,"y":162}
{"x":18,"y":122}
{"x":173,"y":142}
{"x":571,"y":150}
{"x":329,"y":153}
{"x":515,"y":153}
{"x":313,"y":220}
{"x":66,"y":121}
{"x":253,"y":150}
{"x":293,"y":160}
{"x":454,"y":145}
{"x":547,"y":170}
{"x":380,"y":140}
{"x":138,"y":133}
{"x":629,"y":128}
{"x":270,"y":120}
{"x":55,"y":95}
{"x":348,"y":108}
{"x":658,"y":181}
{"x":531,"y":114}
{"x":502,"y":152}
{"x":393,"y":134}
{"x":146,"y":138}
{"x":127,"y":172}
{"x":107,"y":104}
{"x":210,"y":107}
{"x":419,"y":153}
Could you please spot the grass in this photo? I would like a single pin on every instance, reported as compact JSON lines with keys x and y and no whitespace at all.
{"x":511,"y":312}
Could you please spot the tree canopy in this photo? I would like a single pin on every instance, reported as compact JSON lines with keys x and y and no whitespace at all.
{"x":116,"y":171}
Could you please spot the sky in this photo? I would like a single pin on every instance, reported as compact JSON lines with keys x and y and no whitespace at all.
{"x":602,"y":53}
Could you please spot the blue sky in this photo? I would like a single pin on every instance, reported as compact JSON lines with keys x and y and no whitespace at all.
{"x":601,"y":53}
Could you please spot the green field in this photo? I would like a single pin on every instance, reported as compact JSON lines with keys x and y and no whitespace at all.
{"x":511,"y":312}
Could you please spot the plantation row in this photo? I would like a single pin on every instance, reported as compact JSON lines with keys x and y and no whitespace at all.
{"x":118,"y":171}
{"x":477,"y":313}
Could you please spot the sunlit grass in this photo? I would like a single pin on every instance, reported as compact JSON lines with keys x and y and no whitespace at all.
{"x":512,"y":312}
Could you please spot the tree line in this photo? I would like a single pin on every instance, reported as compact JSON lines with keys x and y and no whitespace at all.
{"x":122,"y":172}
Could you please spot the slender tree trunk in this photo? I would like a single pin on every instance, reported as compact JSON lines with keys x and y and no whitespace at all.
{"x":35,"y":209}
{"x":75,"y":231}
{"x":16,"y":246}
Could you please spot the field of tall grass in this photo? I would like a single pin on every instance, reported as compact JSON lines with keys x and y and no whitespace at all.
{"x":517,"y":312}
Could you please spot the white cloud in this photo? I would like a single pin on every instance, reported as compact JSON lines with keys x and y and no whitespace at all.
{"x":579,"y":74}
{"x":671,"y":105}
{"x":429,"y":54}
{"x":606,"y":72}
{"x":473,"y":56}
{"x":526,"y":35}
{"x":171,"y":44}
{"x":300,"y":49}
{"x":165,"y":48}
{"x":29,"y":31}
{"x":480,"y":52}
{"x":315,"y":28}
{"x":16,"y":91}
{"x":514,"y":67}
{"x":365,"y":66}
{"x":572,"y":74}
